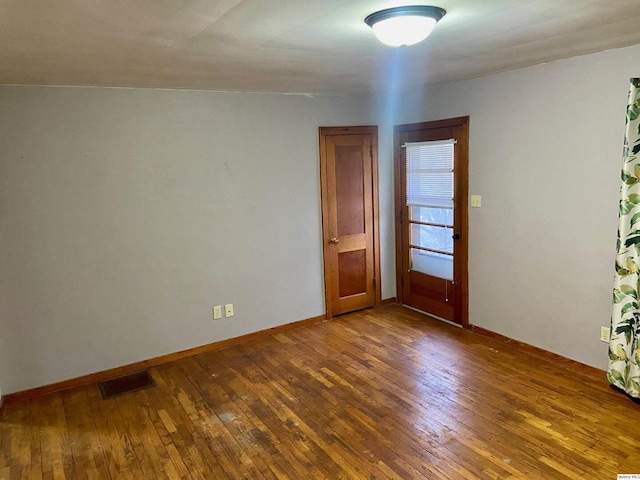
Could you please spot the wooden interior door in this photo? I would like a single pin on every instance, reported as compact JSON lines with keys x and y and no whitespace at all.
{"x":348,"y":170}
{"x":431,"y":227}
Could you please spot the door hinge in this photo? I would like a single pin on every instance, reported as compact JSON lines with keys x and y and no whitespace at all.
{"x":371,"y":151}
{"x":374,"y":283}
{"x":400,"y":216}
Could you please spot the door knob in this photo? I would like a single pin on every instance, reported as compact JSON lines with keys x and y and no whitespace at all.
{"x":334,"y":240}
{"x":456,"y":236}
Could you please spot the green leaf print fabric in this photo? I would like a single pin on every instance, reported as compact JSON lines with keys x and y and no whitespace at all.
{"x":624,"y":346}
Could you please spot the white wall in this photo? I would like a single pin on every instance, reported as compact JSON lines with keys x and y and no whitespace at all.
{"x":125,"y":215}
{"x":545,"y":154}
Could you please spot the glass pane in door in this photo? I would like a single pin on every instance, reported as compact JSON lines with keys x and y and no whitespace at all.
{"x":438,"y":216}
{"x":430,"y":169}
{"x":431,"y":237}
{"x":431,"y":263}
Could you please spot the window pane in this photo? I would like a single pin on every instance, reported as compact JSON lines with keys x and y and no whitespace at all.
{"x":434,"y":264}
{"x":436,"y":238}
{"x":442,"y":216}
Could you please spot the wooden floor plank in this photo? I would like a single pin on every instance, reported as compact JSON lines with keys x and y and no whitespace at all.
{"x":381,"y":393}
{"x":214,"y":440}
{"x":394,"y":376}
{"x":275,"y":400}
{"x":177,"y":433}
{"x":310,"y":389}
{"x":120,"y":457}
{"x":283,"y":435}
{"x":248,"y":431}
{"x":56,"y":455}
{"x":387,"y":403}
{"x":316,"y":424}
{"x":155,"y":445}
{"x":88,"y":457}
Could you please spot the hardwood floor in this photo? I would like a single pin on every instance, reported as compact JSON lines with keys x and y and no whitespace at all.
{"x":384,"y":393}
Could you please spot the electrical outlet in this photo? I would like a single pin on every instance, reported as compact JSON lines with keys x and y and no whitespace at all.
{"x":228,"y":310}
{"x":604,"y":334}
{"x":217,"y":312}
{"x":476,"y":201}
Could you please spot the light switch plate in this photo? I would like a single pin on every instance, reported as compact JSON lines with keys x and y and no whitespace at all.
{"x":217,"y":312}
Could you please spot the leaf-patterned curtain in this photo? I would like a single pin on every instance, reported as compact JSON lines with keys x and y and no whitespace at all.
{"x":624,"y":345}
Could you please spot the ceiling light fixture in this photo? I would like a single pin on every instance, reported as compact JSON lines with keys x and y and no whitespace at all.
{"x":404,"y":25}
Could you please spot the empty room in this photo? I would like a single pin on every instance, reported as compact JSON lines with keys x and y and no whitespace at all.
{"x":246,"y":239}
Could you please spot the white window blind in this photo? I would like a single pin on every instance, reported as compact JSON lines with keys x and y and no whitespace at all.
{"x":430,"y":173}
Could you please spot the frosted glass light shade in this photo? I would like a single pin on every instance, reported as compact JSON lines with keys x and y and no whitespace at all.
{"x":404,"y":25}
{"x":399,"y":31}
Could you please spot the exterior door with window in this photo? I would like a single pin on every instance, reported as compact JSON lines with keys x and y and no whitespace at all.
{"x":431,"y":217}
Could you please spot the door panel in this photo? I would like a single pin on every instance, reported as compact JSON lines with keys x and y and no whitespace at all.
{"x":349,"y":174}
{"x":349,"y":212}
{"x":430,"y":294}
{"x":431,"y":217}
{"x":352,"y":273}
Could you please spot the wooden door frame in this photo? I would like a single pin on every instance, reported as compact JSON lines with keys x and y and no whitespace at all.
{"x":464,"y":224}
{"x":359,"y":130}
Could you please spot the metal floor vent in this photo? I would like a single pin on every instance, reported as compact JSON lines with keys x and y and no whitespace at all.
{"x":128,"y":383}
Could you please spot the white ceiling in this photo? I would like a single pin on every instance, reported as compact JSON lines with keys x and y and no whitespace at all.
{"x":295,"y":46}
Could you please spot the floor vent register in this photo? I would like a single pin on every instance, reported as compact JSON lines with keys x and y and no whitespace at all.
{"x":127,"y":384}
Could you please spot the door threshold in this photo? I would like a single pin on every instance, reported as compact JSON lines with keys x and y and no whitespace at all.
{"x":431,"y":315}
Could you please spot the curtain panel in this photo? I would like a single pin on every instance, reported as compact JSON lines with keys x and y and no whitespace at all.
{"x":624,"y":344}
